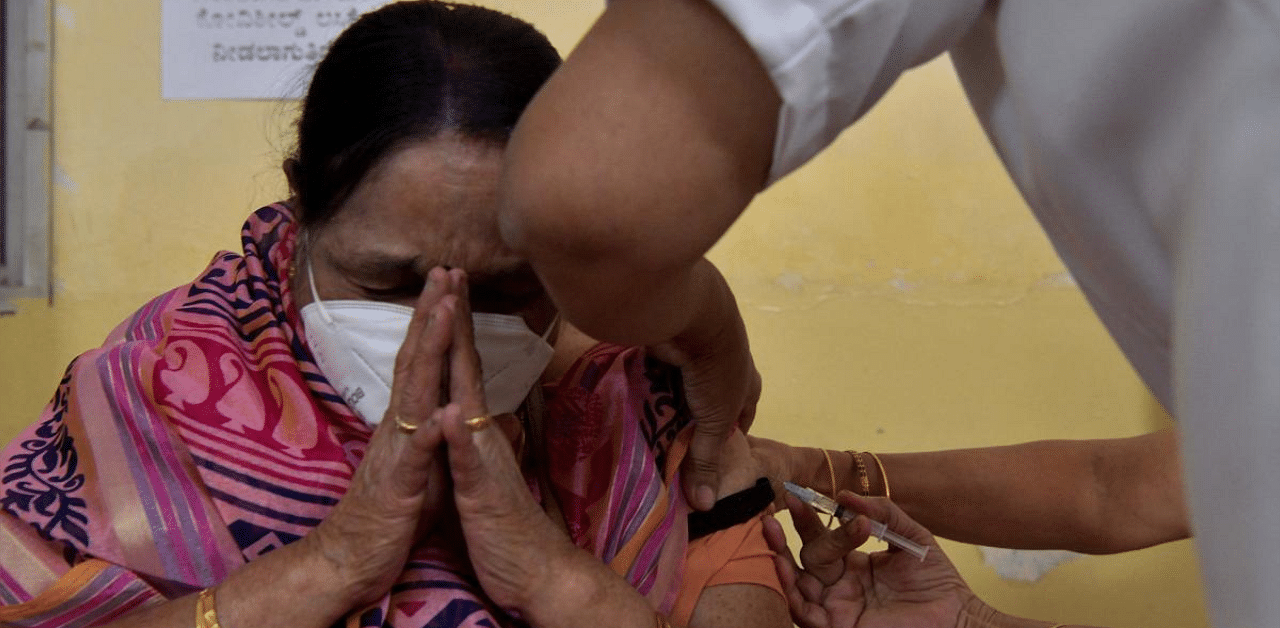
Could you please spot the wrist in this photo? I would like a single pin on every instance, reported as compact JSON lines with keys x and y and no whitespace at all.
{"x":579,"y":590}
{"x":978,"y":614}
{"x":563,"y":590}
{"x":876,"y":475}
{"x":331,"y":570}
{"x":293,"y":576}
{"x":804,"y":465}
{"x":812,"y":471}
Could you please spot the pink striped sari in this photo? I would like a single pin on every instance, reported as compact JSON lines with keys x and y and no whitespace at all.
{"x":201,"y":436}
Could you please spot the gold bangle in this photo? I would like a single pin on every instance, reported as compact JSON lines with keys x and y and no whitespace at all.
{"x":884,"y":477}
{"x":206,"y":610}
{"x":835,"y":488}
{"x":863,"y":477}
{"x":831,"y":472}
{"x":662,"y":621}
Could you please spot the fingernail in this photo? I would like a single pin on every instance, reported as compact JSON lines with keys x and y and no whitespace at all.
{"x":705,"y":498}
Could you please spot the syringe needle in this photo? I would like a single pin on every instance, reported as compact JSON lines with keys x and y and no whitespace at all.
{"x":879,"y":530}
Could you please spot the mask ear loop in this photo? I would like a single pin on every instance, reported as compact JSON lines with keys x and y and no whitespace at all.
{"x":554,"y":322}
{"x":311,"y":279}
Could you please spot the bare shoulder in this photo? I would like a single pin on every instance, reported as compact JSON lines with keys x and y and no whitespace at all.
{"x":740,"y":606}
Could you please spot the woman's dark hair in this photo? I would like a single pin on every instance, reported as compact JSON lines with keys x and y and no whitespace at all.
{"x":407,"y":72}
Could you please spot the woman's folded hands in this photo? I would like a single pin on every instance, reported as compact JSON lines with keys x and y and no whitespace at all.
{"x":511,"y":541}
{"x":438,"y":464}
{"x":408,"y":488}
{"x":525,"y":563}
{"x":400,"y":488}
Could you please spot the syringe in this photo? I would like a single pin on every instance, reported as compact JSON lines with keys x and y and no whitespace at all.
{"x":879,"y":530}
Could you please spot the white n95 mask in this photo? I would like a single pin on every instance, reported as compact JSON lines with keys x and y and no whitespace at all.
{"x":512,"y":358}
{"x":355,"y":345}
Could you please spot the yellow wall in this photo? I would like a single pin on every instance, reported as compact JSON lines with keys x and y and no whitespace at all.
{"x":898,"y":293}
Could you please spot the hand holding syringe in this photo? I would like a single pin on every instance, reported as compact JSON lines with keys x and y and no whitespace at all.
{"x":879,"y":530}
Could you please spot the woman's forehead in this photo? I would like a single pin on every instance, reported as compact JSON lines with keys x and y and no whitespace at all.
{"x":431,"y":203}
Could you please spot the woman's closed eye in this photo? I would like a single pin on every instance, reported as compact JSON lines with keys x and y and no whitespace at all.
{"x":485,"y":297}
{"x":401,"y":292}
{"x":379,"y":277}
{"x":403,"y":285}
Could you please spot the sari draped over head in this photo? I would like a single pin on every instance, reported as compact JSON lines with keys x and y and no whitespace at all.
{"x":202,"y":436}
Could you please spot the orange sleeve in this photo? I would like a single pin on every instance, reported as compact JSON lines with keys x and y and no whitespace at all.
{"x":738,"y":555}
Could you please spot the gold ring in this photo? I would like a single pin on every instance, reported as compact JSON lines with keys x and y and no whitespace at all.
{"x":478,"y":423}
{"x":404,"y":426}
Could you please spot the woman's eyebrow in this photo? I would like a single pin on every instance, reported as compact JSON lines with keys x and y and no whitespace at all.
{"x":378,"y":263}
{"x":375,"y":264}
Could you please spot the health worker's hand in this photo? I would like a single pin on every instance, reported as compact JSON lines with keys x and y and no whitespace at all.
{"x":400,"y":487}
{"x":721,"y":385}
{"x":778,"y":462}
{"x":840,"y":587}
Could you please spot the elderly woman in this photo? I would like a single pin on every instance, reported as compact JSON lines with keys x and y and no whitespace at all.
{"x":302,"y":435}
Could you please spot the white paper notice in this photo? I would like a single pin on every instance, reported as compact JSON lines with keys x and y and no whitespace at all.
{"x":249,"y":49}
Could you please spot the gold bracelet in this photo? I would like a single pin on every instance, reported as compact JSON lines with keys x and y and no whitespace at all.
{"x":884,"y":477}
{"x":662,"y":621}
{"x":835,"y":488}
{"x":206,"y":610}
{"x":863,"y":477}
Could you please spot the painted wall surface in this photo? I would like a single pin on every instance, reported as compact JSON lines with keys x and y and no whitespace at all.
{"x":898,"y":292}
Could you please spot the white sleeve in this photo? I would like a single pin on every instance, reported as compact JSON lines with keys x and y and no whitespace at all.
{"x":832,"y":59}
{"x":1227,"y":353}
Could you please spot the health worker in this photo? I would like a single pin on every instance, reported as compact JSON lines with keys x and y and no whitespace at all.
{"x":1144,"y":134}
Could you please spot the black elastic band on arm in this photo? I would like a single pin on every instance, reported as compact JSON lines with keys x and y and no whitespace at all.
{"x":730,"y":511}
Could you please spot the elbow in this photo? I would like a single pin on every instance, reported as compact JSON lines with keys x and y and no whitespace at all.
{"x":1105,"y":543}
{"x":1126,"y":532}
{"x":566,"y":223}
{"x":1136,"y":499}
{"x":545,"y":196}
{"x":543,"y":221}
{"x":1127,"y":539}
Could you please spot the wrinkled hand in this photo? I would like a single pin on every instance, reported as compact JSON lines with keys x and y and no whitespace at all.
{"x":399,"y":489}
{"x":510,"y":540}
{"x":840,"y":587}
{"x":721,"y":385}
